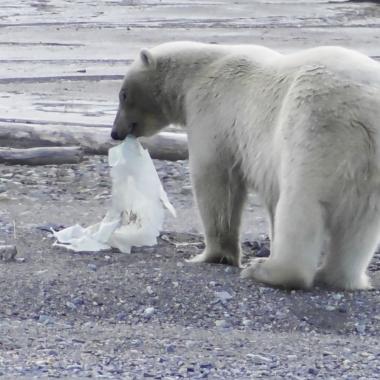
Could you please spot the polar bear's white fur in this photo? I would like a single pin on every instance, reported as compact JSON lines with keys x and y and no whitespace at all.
{"x":302,"y":130}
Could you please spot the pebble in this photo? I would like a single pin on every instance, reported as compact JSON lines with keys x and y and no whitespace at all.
{"x":122,"y":316}
{"x":92,"y":267}
{"x":170,"y":348}
{"x":258,"y":359}
{"x":8,"y":252}
{"x":148,"y":312}
{"x":312,"y":371}
{"x":71,"y":305}
{"x":45,"y":319}
{"x":360,"y":328}
{"x":149,"y":290}
{"x":263,"y":252}
{"x":223,"y":296}
{"x":77,"y":301}
{"x":186,"y":190}
{"x":222,"y":323}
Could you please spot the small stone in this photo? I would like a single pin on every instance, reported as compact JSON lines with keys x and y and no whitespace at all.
{"x":254,"y":245}
{"x":247,"y":322}
{"x":342,"y":309}
{"x":263,"y":252}
{"x":45,"y":319}
{"x":206,"y":366}
{"x":360,"y":328}
{"x":8,"y":252}
{"x":312,"y":371}
{"x":92,"y":267}
{"x":258,"y":359}
{"x":78,"y":301}
{"x":148,"y":312}
{"x":221,"y":323}
{"x":330,"y":308}
{"x":170,"y":348}
{"x":122,"y":316}
{"x":186,"y":190}
{"x":149,"y":290}
{"x":71,"y":305}
{"x":223,"y":296}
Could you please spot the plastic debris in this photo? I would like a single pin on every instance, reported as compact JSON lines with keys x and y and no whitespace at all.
{"x":136,"y":215}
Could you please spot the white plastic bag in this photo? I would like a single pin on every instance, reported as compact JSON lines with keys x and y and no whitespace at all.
{"x":136,"y":215}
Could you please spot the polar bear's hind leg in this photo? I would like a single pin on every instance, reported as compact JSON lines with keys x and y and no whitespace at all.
{"x":350,"y":252}
{"x":299,"y":236}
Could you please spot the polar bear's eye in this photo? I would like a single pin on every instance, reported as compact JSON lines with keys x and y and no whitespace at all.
{"x":123,"y":96}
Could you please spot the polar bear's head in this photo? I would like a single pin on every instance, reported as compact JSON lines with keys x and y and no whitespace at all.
{"x":140,"y":112}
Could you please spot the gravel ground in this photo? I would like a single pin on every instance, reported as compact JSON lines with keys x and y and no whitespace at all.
{"x":150,"y":314}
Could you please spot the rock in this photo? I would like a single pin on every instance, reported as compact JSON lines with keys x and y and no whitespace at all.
{"x":71,"y":305}
{"x":263,"y":252}
{"x":312,"y":371}
{"x":148,"y":312}
{"x":259,"y":359}
{"x":92,"y":267}
{"x":223,"y":296}
{"x":50,"y":226}
{"x":45,"y":319}
{"x":186,"y":190}
{"x":342,"y":309}
{"x":221,"y":323}
{"x":122,"y":316}
{"x":206,"y":366}
{"x":8,"y":252}
{"x":149,"y":290}
{"x":170,"y":348}
{"x":360,"y":328}
{"x":78,"y":301}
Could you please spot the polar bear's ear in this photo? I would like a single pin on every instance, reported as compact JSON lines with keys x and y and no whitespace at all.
{"x":147,"y":58}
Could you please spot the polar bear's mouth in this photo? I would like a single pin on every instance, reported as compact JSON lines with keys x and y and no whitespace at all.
{"x":132,"y":129}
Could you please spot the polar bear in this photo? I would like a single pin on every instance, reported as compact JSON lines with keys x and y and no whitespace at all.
{"x":302,"y":130}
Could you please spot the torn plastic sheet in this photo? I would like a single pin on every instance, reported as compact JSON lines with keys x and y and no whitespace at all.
{"x":136,"y":214}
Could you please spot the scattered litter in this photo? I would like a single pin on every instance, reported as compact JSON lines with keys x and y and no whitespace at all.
{"x":136,"y":215}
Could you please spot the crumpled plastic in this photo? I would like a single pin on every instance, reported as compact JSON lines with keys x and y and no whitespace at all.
{"x":136,"y":214}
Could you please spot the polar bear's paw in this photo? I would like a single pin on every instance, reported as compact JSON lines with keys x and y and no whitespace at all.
{"x":206,"y":257}
{"x":339,"y":281}
{"x":266,"y":270}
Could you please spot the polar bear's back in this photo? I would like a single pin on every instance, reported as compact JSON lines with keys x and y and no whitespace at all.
{"x":346,"y":63}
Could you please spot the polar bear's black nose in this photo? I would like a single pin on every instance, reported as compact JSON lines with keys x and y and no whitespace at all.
{"x":115,"y":136}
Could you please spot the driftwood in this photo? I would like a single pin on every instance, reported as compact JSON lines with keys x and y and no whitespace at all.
{"x":93,"y":140}
{"x":41,"y":156}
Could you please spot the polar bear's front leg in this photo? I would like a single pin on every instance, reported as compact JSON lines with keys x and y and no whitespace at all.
{"x":220,"y":194}
{"x":297,"y":245}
